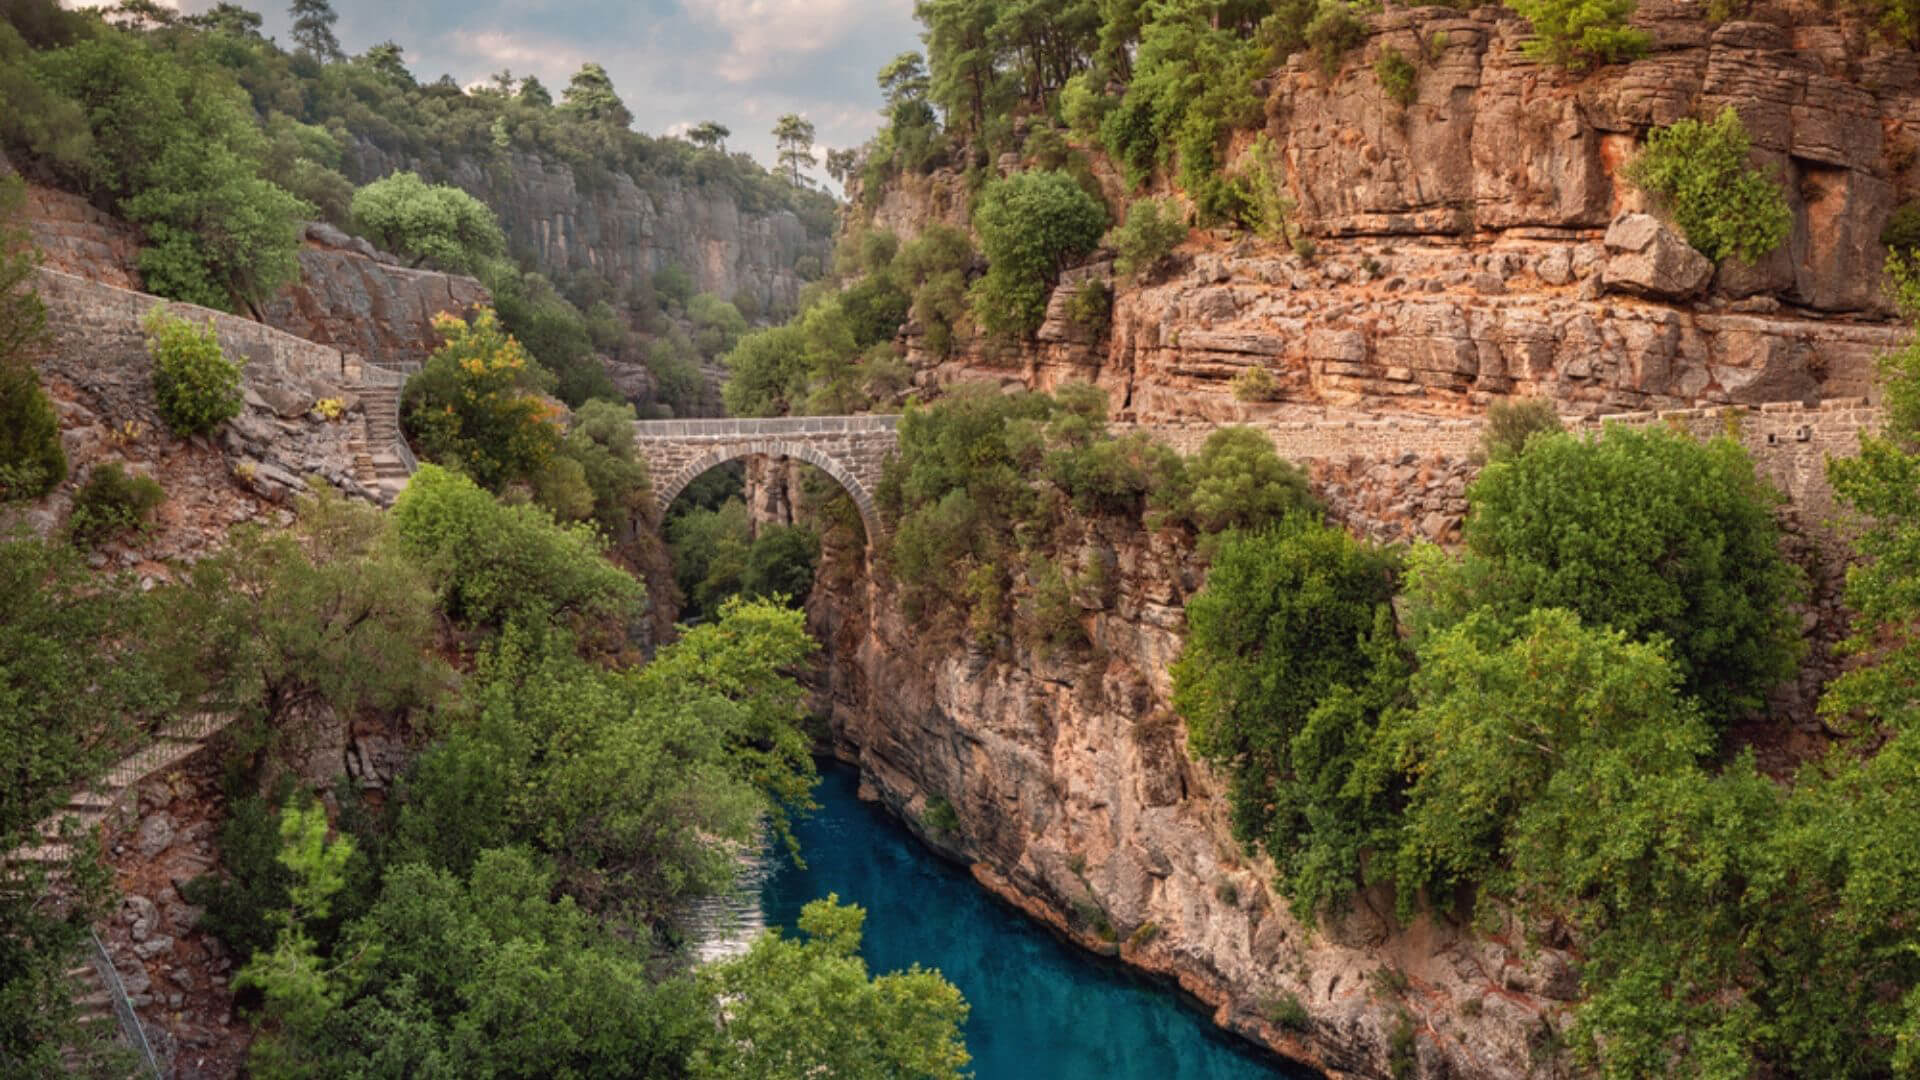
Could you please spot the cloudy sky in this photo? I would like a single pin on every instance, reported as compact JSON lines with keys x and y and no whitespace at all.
{"x":674,"y":62}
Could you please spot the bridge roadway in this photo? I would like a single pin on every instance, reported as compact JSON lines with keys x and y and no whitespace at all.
{"x":1790,"y":442}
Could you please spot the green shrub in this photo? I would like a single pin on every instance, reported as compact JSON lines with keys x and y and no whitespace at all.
{"x":1284,"y":620}
{"x":493,"y":563}
{"x":1256,"y":384}
{"x":1335,"y":30}
{"x":940,"y":816}
{"x":32,"y":462}
{"x":476,"y":406}
{"x":1091,"y":307}
{"x":1261,"y":185}
{"x":111,"y":504}
{"x":1285,"y":1012}
{"x":427,"y":223}
{"x":1721,"y":203}
{"x":1511,"y":423}
{"x":196,"y":387}
{"x":1901,"y":235}
{"x":1030,"y":225}
{"x":1647,"y":531}
{"x":1239,"y":481}
{"x":935,"y":266}
{"x":1154,"y":227}
{"x":1398,"y":76}
{"x":1575,"y":34}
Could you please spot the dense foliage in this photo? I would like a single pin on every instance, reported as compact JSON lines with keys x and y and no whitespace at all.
{"x":1030,"y":224}
{"x":1541,"y":749}
{"x":477,"y":405}
{"x":32,"y":461}
{"x":194,"y":384}
{"x":987,"y":485}
{"x":494,"y":564}
{"x":112,"y":503}
{"x":1645,"y":531}
{"x":190,"y":171}
{"x":428,"y":223}
{"x":1723,"y":205}
{"x":1576,"y":34}
{"x":717,"y":555}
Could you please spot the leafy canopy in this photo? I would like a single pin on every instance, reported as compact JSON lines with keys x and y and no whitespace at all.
{"x":1030,"y":225}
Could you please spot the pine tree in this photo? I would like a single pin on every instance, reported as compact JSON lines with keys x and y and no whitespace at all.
{"x":794,"y":135}
{"x":313,"y":28}
{"x":591,"y":95}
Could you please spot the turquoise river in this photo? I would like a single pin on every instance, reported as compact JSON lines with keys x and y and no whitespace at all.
{"x":1041,"y":1008}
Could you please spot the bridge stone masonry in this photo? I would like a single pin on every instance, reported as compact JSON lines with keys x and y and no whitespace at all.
{"x":851,"y":449}
{"x":1789,"y":442}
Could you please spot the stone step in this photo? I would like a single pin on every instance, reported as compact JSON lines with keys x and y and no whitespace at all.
{"x":164,"y":753}
{"x":45,"y":854}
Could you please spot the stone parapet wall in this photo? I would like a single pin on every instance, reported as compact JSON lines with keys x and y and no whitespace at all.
{"x":103,"y":321}
{"x":1790,"y":442}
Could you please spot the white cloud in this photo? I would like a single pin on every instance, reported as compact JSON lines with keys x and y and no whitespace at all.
{"x":763,"y":33}
{"x":495,"y":49}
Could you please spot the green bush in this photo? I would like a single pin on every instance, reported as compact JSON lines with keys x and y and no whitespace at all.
{"x":1575,"y":34}
{"x":171,"y":141}
{"x":1335,"y":30}
{"x":1398,"y":76}
{"x":1256,"y":384}
{"x":934,"y":266}
{"x":493,"y":564}
{"x":1239,"y":481}
{"x":1030,"y":225}
{"x":427,"y":223}
{"x":1721,"y":203}
{"x":32,"y":462}
{"x":111,"y":504}
{"x":196,"y":387}
{"x":1901,"y":235}
{"x":476,"y":406}
{"x":1287,"y":1013}
{"x":1645,"y":531}
{"x":1154,"y":227}
{"x":1090,"y":307}
{"x":1511,"y":423}
{"x":1284,"y":621}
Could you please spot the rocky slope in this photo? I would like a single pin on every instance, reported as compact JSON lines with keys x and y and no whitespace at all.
{"x":1469,"y":244}
{"x":626,"y":231}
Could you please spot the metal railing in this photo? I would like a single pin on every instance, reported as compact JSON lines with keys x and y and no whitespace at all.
{"x":130,"y":1029}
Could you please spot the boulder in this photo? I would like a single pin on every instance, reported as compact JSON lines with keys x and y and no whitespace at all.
{"x":1645,"y":258}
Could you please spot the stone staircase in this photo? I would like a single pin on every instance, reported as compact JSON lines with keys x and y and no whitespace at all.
{"x":106,"y":1016}
{"x":91,"y":806}
{"x":382,"y":461}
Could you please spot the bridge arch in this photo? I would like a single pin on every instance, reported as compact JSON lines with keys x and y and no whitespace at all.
{"x":862,"y":498}
{"x":851,"y":449}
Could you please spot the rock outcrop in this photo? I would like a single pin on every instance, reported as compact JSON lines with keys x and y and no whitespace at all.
{"x":362,"y":301}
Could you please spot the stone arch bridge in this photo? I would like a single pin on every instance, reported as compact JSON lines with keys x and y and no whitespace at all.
{"x":851,"y":449}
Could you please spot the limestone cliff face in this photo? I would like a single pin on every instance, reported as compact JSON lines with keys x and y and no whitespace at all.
{"x":1077,"y":802}
{"x":626,"y":231}
{"x":1480,"y":241}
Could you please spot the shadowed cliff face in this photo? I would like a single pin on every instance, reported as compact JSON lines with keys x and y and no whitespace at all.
{"x":627,"y":231}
